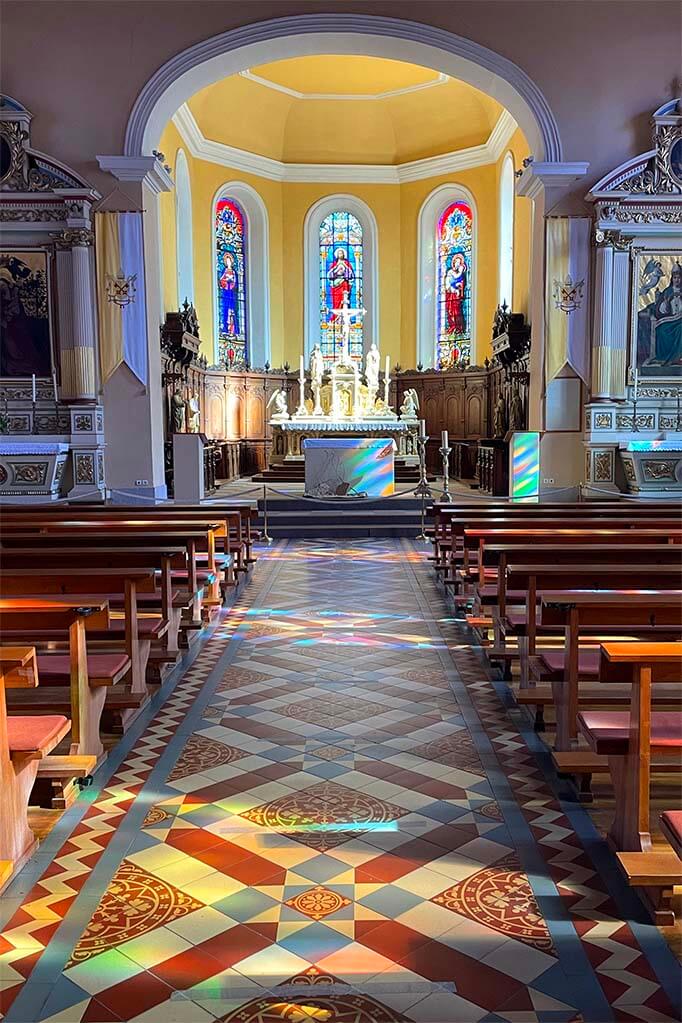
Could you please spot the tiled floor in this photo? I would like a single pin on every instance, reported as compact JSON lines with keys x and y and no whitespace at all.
{"x":332,"y":817}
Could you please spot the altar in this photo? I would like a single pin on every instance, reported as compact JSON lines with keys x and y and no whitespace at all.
{"x":349,"y":467}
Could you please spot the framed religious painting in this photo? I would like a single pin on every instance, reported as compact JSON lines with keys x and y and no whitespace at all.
{"x":25,"y":321}
{"x":657,"y":313}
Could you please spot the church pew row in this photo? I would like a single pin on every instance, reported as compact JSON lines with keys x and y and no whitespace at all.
{"x":635,"y":743}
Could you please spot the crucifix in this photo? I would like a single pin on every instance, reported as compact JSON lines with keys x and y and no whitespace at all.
{"x":346,"y":315}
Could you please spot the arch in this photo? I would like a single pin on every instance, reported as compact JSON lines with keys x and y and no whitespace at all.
{"x":183,"y":229}
{"x":258,"y":277}
{"x":311,"y":280}
{"x":394,"y":38}
{"x":430,"y":213}
{"x":505,"y":278}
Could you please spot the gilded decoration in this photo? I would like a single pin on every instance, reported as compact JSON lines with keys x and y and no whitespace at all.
{"x":134,"y":904}
{"x":501,"y":898}
{"x":603,"y":466}
{"x":83,"y":422}
{"x":658,"y":470}
{"x":629,"y":469}
{"x":588,"y":465}
{"x":318,"y":1002}
{"x":59,"y":470}
{"x":34,"y":473}
{"x":318,"y":902}
{"x":312,"y":816}
{"x":3,"y":475}
{"x":603,"y":421}
{"x":201,"y":754}
{"x":644,"y":422}
{"x":85,"y":469}
{"x":588,"y":421}
{"x":76,"y":236}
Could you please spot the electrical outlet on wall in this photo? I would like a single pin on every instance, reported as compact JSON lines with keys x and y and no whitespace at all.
{"x":549,"y":480}
{"x":141,"y":483}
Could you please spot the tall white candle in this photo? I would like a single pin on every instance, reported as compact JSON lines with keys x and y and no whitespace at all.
{"x":422,"y":428}
{"x":302,"y":373}
{"x":54,"y":385}
{"x":636,"y":384}
{"x":33,"y":388}
{"x":444,"y":439}
{"x":388,"y":362}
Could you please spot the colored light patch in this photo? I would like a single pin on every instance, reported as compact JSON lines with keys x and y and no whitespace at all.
{"x":654,"y":445}
{"x":525,"y":465}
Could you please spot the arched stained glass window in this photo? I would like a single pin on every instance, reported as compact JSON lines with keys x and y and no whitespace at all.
{"x":231,"y":271}
{"x":341,"y":274}
{"x":453,"y":245}
{"x":506,"y":271}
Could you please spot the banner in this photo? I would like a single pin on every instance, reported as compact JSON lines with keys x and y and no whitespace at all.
{"x":121,"y":294}
{"x":567,"y":304}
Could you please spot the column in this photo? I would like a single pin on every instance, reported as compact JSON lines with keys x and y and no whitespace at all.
{"x":601,"y":331}
{"x":620,"y":319}
{"x":78,"y":360}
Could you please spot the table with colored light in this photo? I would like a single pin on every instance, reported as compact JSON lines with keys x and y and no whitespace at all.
{"x":350,"y":467}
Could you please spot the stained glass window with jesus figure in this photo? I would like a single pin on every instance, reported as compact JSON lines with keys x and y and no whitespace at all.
{"x":230,"y":231}
{"x":453,"y":243}
{"x":340,"y":282}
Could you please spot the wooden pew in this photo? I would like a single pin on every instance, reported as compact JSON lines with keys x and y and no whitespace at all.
{"x":633,"y":741}
{"x":24,"y":614}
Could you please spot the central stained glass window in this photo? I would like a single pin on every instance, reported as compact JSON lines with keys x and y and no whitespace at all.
{"x":454,"y":244}
{"x":230,"y":236}
{"x":340,"y":281}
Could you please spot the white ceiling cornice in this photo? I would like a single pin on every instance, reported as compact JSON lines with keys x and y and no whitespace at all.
{"x":440,"y":79}
{"x":202,"y":148}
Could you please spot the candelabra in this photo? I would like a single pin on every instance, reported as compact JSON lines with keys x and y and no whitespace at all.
{"x":445,"y":455}
{"x":635,"y":427}
{"x":423,"y":489}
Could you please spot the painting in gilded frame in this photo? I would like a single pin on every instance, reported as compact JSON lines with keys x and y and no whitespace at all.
{"x":657,"y":314}
{"x":25,"y":328}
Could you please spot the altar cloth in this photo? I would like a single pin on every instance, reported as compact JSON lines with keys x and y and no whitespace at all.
{"x":349,"y":466}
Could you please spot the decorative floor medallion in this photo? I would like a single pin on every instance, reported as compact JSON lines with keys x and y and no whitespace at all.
{"x":455,"y":750}
{"x":201,"y":754}
{"x":133,"y":904}
{"x":330,"y":752}
{"x":156,"y":815}
{"x":318,"y":902}
{"x":500,"y":897}
{"x":333,"y":709}
{"x":347,"y":1006}
{"x":235,"y":678}
{"x":325,"y":816}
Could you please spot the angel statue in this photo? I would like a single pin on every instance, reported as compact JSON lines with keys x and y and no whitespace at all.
{"x":279,"y":399}
{"x":316,"y":374}
{"x":410,"y":405}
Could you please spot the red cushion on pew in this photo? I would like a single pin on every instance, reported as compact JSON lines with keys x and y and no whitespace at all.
{"x":203,"y":575}
{"x":34,"y":732}
{"x":608,"y":731}
{"x":512,"y":597}
{"x":588,"y":661}
{"x":155,"y":598}
{"x":53,"y":667}
{"x":146,"y":627}
{"x":671,"y":825}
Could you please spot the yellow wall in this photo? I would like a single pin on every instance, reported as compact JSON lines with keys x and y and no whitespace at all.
{"x":396,"y":209}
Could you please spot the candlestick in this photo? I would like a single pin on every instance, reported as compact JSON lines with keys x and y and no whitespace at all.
{"x":33,"y":388}
{"x":301,"y":410}
{"x":422,"y":427}
{"x":444,"y":438}
{"x":636,"y":381}
{"x":445,"y":455}
{"x":54,"y":386}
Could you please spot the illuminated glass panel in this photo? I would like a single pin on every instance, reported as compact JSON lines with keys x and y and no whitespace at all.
{"x":340,"y":271}
{"x":453,"y":243}
{"x":525,"y":465}
{"x":230,"y":236}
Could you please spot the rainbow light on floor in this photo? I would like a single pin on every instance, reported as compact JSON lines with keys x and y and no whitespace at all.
{"x":525,"y":465}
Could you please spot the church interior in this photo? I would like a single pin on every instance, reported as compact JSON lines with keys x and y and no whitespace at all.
{"x":340,"y":512}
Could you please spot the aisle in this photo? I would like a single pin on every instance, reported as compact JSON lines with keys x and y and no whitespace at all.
{"x":331,"y":817}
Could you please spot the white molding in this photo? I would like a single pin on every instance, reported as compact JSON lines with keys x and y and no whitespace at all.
{"x":440,"y":79}
{"x":202,"y":148}
{"x":184,"y":235}
{"x":395,"y":38}
{"x":548,"y":175}
{"x":257,"y":270}
{"x":427,"y":270}
{"x":146,"y":170}
{"x":311,"y":257}
{"x":506,"y":217}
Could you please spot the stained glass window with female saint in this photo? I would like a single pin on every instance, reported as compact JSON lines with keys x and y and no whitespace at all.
{"x":231,"y":272}
{"x":341,"y":280}
{"x":454,"y":253}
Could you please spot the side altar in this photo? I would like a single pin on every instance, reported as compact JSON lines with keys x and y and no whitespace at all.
{"x":341,"y":400}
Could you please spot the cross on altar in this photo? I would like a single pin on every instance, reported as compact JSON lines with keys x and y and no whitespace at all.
{"x":346,"y":315}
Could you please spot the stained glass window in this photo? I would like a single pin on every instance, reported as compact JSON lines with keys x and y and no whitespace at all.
{"x":340,"y":281}
{"x":454,"y":283}
{"x":230,"y":233}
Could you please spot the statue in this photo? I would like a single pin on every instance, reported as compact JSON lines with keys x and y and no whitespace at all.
{"x":193,"y":414}
{"x":178,"y":412}
{"x":410,"y":405}
{"x":516,"y":417}
{"x":316,"y":374}
{"x":500,"y":418}
{"x":279,"y":399}
{"x":372,"y":360}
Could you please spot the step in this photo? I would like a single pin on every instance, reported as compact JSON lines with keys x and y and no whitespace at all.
{"x":651,"y":869}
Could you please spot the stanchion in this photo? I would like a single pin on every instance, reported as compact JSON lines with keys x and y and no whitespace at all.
{"x":445,"y":455}
{"x":423,"y":489}
{"x":265,"y":538}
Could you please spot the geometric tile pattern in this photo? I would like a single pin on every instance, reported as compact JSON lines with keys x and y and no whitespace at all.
{"x":329,"y":817}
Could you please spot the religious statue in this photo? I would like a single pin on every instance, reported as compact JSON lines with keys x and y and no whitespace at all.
{"x":178,"y":412}
{"x":340,"y":276}
{"x":516,"y":412}
{"x":372,"y":360}
{"x":316,"y":374}
{"x":500,"y":418}
{"x":279,"y":399}
{"x":410,"y":405}
{"x":193,"y":414}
